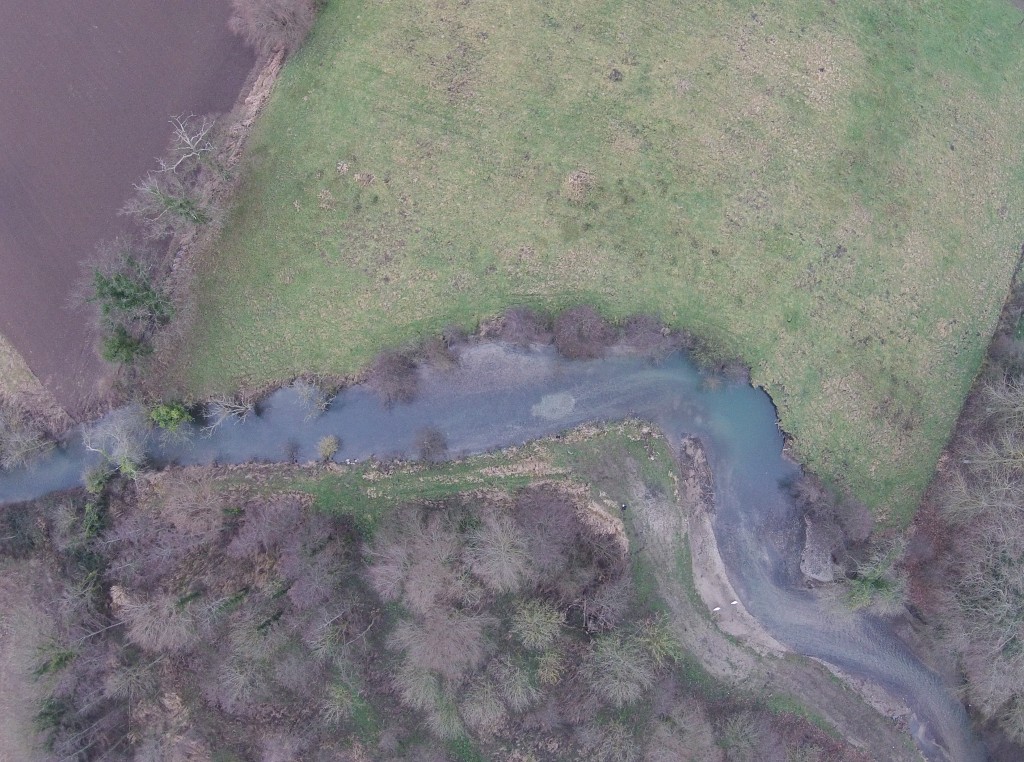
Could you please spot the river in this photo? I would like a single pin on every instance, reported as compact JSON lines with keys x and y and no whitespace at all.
{"x":499,"y":396}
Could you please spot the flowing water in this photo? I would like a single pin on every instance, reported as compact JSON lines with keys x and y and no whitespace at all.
{"x":499,"y":396}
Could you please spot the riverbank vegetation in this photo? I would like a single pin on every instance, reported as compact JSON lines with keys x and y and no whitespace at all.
{"x":480,"y":609}
{"x":966,"y":554}
{"x":751,"y":173}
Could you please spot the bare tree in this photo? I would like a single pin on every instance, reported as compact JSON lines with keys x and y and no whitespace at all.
{"x":498,"y":555}
{"x":164,"y":205}
{"x":393,"y":376}
{"x":619,"y":669}
{"x":120,"y":438}
{"x":220,"y":410}
{"x":449,"y":643}
{"x":191,"y":145}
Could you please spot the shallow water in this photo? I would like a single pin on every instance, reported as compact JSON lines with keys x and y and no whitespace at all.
{"x":500,"y":396}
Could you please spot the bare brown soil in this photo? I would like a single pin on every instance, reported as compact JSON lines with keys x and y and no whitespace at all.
{"x":87,"y":89}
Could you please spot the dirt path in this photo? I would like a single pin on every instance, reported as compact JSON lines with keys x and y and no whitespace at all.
{"x":87,"y":88}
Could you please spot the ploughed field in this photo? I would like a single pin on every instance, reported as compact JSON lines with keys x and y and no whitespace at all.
{"x":831,"y":191}
{"x":86,"y":91}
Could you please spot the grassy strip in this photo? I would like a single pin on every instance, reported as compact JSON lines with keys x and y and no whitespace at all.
{"x":832,"y":191}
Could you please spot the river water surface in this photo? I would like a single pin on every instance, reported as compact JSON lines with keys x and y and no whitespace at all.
{"x":500,"y":396}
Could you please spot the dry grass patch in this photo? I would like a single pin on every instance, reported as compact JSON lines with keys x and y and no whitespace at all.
{"x":24,"y":627}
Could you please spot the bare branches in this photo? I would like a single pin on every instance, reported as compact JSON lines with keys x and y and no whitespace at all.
{"x":120,"y":438}
{"x":220,"y":410}
{"x":164,"y":204}
{"x":191,"y":145}
{"x":272,"y":25}
{"x":498,"y":555}
{"x":20,"y":441}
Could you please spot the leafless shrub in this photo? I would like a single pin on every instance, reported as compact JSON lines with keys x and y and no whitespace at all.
{"x":295,"y":671}
{"x":454,"y":336}
{"x":609,"y":604}
{"x":273,"y":25}
{"x":684,"y":734}
{"x":619,"y":669}
{"x":313,"y":397}
{"x":537,"y":624}
{"x":429,"y":582}
{"x":1003,"y":399}
{"x":443,"y":720}
{"x":418,"y":688}
{"x":582,"y":334}
{"x":416,"y":561}
{"x":327,"y":447}
{"x":521,"y":326}
{"x":393,"y":377}
{"x":276,"y":746}
{"x":132,"y":682}
{"x":550,"y":527}
{"x":446,"y":642}
{"x":338,"y":703}
{"x":431,"y":444}
{"x":611,"y":742}
{"x":189,"y":501}
{"x":546,"y":718}
{"x":313,"y":581}
{"x":236,"y":686}
{"x":161,"y":623}
{"x":482,"y":708}
{"x":120,"y":438}
{"x":164,"y":204}
{"x":849,"y":516}
{"x":740,"y":735}
{"x":516,"y":686}
{"x":20,"y":441}
{"x":437,"y":354}
{"x":647,"y":336}
{"x":497,"y":554}
{"x":220,"y":410}
{"x":266,"y":523}
{"x":387,"y":570}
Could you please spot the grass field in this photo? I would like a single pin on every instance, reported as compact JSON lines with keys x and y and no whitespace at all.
{"x":831,"y":191}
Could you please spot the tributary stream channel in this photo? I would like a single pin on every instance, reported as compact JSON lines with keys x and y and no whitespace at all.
{"x":500,"y":396}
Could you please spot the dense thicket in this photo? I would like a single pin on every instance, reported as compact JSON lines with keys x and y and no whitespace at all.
{"x":270,"y":26}
{"x":204,"y":622}
{"x":966,"y":556}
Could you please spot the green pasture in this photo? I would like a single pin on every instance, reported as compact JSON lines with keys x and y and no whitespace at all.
{"x":831,"y":191}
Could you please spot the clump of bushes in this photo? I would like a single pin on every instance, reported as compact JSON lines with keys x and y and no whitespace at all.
{"x":170,"y":416}
{"x":453,"y":568}
{"x":327,"y":447}
{"x":226,"y":618}
{"x":270,"y":26}
{"x":123,"y":286}
{"x":582,"y":334}
{"x":393,"y":376}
